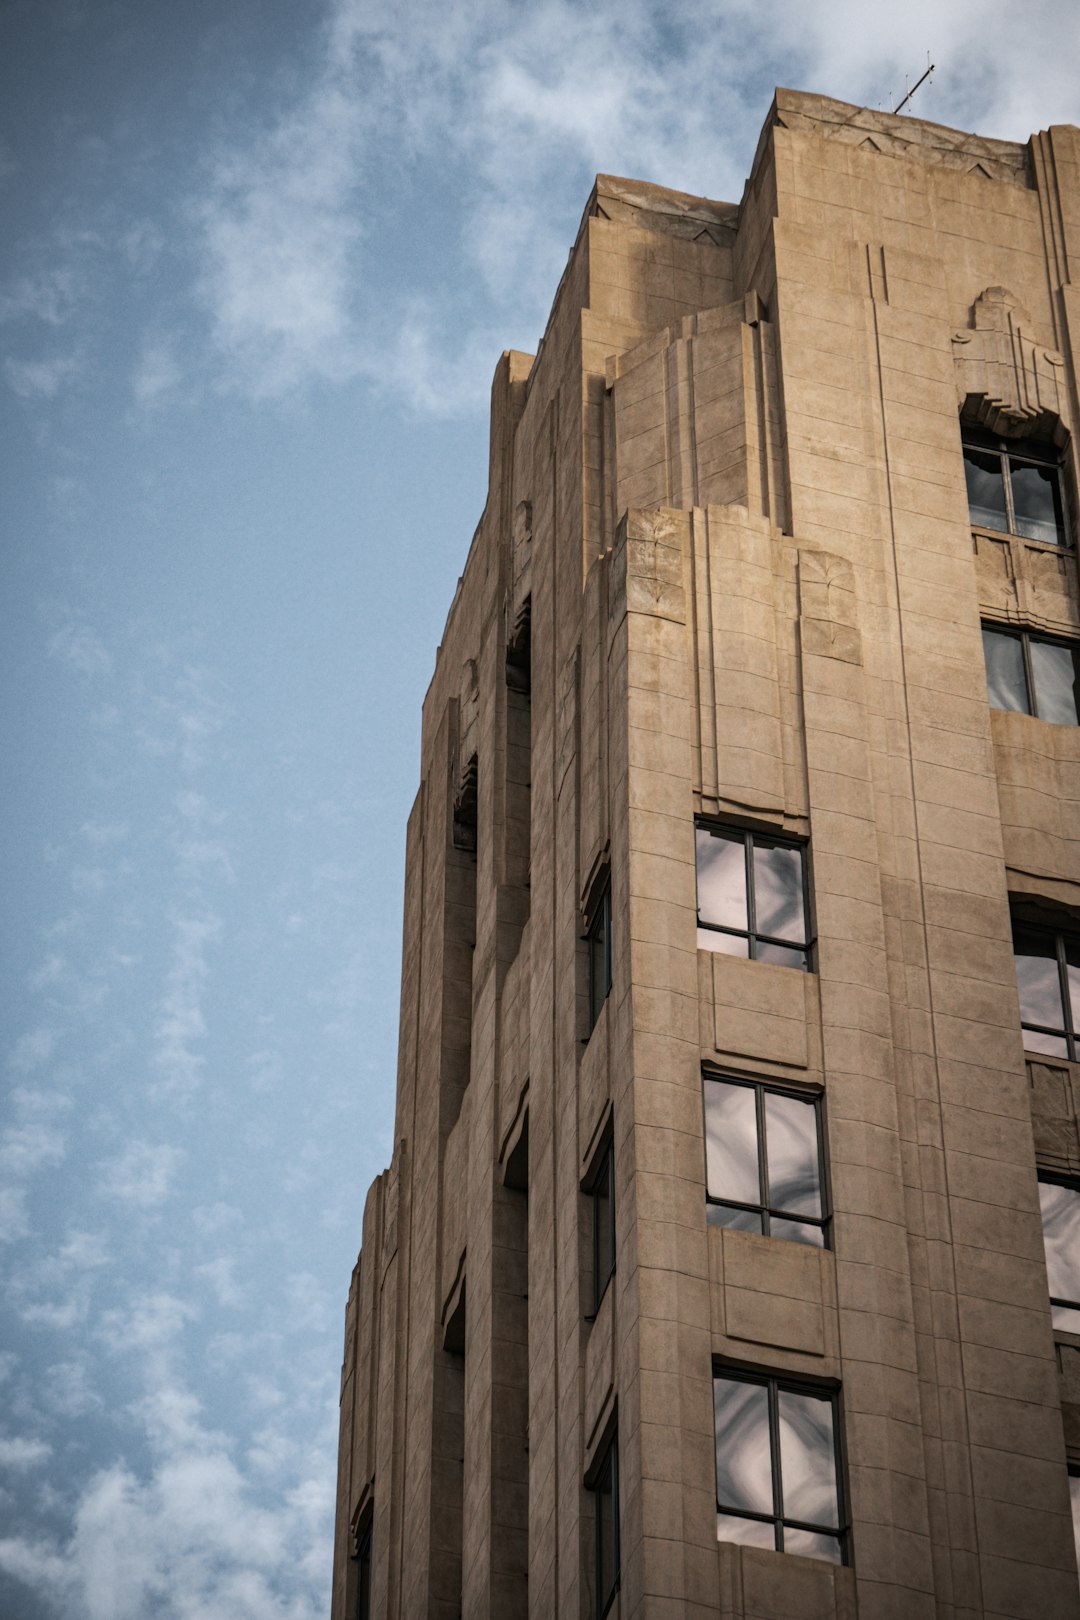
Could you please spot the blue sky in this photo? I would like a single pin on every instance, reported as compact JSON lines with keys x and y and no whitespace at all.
{"x":258,"y":264}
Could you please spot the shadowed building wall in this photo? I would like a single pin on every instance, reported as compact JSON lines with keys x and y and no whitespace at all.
{"x":728,"y":1263}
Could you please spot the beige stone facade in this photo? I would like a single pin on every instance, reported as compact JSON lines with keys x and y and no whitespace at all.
{"x":725,"y":600}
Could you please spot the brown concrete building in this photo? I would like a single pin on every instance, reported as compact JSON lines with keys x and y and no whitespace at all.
{"x":709,"y":1277}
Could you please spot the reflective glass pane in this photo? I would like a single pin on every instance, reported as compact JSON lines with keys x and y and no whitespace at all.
{"x":743,"y":1461}
{"x":985,"y":489}
{"x":1066,"y":1318}
{"x":1061,"y":1234}
{"x":1006,"y":681}
{"x":750,"y":1532}
{"x":1055,"y":668}
{"x":811,"y":1544}
{"x":740,"y":1220}
{"x":1037,"y":979}
{"x":710,"y":939}
{"x":731,"y":1144}
{"x":721,"y":878}
{"x":797,"y":1232}
{"x":1036,"y":1040}
{"x":791,"y":1152}
{"x":1072,"y":968}
{"x":1074,"y":1492}
{"x":778,"y":891}
{"x":807,"y":1457}
{"x":782,"y":955}
{"x":1036,"y":493}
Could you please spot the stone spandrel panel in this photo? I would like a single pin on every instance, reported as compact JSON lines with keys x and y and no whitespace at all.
{"x":1055,"y":1114}
{"x":1038,"y":784}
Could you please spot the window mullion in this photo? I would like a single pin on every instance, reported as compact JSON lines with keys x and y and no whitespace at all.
{"x":774,"y":1451}
{"x":1029,"y":674}
{"x":1006,"y":479}
{"x":751,"y":908}
{"x":763,"y":1159}
{"x":1066,"y":997}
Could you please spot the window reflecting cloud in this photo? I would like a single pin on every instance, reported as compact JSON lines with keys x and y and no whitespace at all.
{"x":778,"y":890}
{"x":1061,"y":1235}
{"x":743,"y":1460}
{"x":792,"y":1148}
{"x":1005,"y":678}
{"x":1037,"y":979}
{"x":807,"y":1457}
{"x":1055,"y":669}
{"x":985,"y":489}
{"x":721,"y":878}
{"x":731,"y":1144}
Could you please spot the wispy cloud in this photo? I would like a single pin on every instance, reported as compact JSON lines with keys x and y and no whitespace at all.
{"x":78,"y":645}
{"x":142,"y":1175}
{"x":32,"y":1050}
{"x":280,"y":226}
{"x":181,"y":1024}
{"x":44,"y":377}
{"x":157,"y":372}
{"x":18,"y":1451}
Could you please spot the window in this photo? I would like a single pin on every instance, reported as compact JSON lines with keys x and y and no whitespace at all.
{"x":1048,"y":979}
{"x":598,"y":949}
{"x":1060,"y":1202}
{"x":1014,"y":487}
{"x":605,"y":1488}
{"x":751,"y":896}
{"x":777,"y":1466}
{"x":363,"y":1568}
{"x":602,"y":1197}
{"x":1074,"y":1494}
{"x":1033,"y":674}
{"x":763,"y":1160}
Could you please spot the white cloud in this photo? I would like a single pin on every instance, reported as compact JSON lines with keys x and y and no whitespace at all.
{"x":24,"y":1148}
{"x":141,"y":1175}
{"x":42,"y":378}
{"x":187,"y":1539}
{"x":280,"y":225}
{"x":68,"y":1389}
{"x":32,"y":1050}
{"x":157,"y":372}
{"x":181,"y":1023}
{"x":80,"y":646}
{"x":220,"y":1276}
{"x":18,"y":1451}
{"x":48,"y":295}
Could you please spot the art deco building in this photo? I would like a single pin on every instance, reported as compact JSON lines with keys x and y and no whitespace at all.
{"x":728,"y":1263}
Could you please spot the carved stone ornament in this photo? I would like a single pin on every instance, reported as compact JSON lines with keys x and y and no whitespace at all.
{"x":1005,"y":380}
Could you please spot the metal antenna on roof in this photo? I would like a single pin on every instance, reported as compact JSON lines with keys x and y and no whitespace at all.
{"x":929,"y":70}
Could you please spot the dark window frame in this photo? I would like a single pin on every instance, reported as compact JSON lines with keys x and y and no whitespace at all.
{"x":1025,"y":638}
{"x":1036,"y":452}
{"x":606,"y":1474}
{"x":1067,"y":1030}
{"x":364,"y":1564}
{"x":774,"y":1383}
{"x":601,"y":1176}
{"x":598,"y":950}
{"x":765,"y":1209}
{"x":750,"y":932}
{"x":1052,"y":1178}
{"x":1072,"y":1469}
